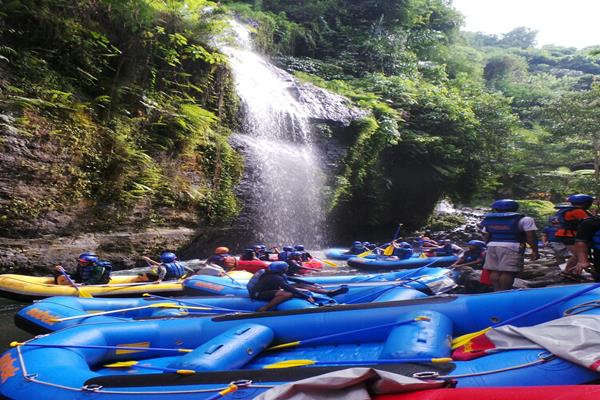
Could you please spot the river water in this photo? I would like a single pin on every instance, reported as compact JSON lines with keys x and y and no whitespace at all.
{"x":9,"y":332}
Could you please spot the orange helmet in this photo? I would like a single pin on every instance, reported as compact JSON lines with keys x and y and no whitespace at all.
{"x":221,"y":250}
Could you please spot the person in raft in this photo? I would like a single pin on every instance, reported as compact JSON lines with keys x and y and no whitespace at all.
{"x":169,"y":268}
{"x":90,"y":271}
{"x":569,"y":219}
{"x":402,"y":250}
{"x":222,"y":258}
{"x":507,"y":233}
{"x":473,"y":257}
{"x":357,"y":247}
{"x":274,"y":286}
{"x":306,"y":256}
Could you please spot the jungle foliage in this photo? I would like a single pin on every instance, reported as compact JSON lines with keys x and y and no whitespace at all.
{"x":132,"y":100}
{"x":136,"y":106}
{"x":458,"y":114}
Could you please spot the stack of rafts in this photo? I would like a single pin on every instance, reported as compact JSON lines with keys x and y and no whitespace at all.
{"x":549,"y":337}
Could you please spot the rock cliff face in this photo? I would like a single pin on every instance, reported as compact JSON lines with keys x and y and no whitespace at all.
{"x":46,"y":220}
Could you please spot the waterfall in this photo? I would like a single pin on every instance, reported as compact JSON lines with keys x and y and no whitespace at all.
{"x":283,"y":184}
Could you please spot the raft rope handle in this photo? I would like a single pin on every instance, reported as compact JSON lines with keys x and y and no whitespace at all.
{"x":543,"y":357}
{"x":579,"y":308}
{"x":100,"y":390}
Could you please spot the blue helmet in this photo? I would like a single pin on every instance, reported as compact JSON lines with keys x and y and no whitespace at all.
{"x":357,"y":243}
{"x":278,"y":266}
{"x":580,"y":199}
{"x":476,"y":243}
{"x":299,"y":247}
{"x":87,"y":257}
{"x":288,"y":248}
{"x":405,"y":245}
{"x":167,"y":257}
{"x":295,"y":254}
{"x":505,"y":205}
{"x":366,"y":244}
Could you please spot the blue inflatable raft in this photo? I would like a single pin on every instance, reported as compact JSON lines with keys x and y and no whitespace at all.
{"x":382,"y":263}
{"x":362,"y":289}
{"x":61,"y":312}
{"x":339,"y":254}
{"x":191,"y":359}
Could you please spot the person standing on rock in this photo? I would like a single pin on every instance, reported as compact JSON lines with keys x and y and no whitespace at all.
{"x":587,"y":242}
{"x":560,"y":251}
{"x":507,"y":233}
{"x":569,"y":219}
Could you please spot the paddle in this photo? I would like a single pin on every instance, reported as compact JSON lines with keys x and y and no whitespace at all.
{"x":301,"y":363}
{"x":306,"y":341}
{"x":83,"y":346}
{"x":135,"y":364}
{"x":464,"y":339}
{"x":80,"y":291}
{"x":156,"y":305}
{"x":191,"y":303}
{"x":331,"y":264}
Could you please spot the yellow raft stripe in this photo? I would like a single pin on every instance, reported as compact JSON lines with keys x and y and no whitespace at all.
{"x":139,"y":344}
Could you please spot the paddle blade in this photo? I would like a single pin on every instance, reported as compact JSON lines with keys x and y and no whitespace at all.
{"x":464,"y":339}
{"x":84,"y":293}
{"x":388,"y":250}
{"x":121,"y":364}
{"x":290,"y":364}
{"x":284,"y":345}
{"x":364,"y":254}
{"x":331,"y":264}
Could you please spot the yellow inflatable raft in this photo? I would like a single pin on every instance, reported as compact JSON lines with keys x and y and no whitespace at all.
{"x":29,"y":288}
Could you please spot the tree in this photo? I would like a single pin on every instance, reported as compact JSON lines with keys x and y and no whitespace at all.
{"x":519,"y":37}
{"x":577,"y":114}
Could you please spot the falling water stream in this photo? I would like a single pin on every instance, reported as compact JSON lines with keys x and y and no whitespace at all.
{"x":283,"y":182}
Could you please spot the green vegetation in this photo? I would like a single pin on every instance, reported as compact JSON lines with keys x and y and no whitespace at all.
{"x":135,"y":107}
{"x":130,"y":100}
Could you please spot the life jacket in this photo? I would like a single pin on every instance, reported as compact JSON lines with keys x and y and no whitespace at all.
{"x":107,"y":265}
{"x":283,"y":255}
{"x":403,"y":253}
{"x":85,"y":272}
{"x":174,"y":270}
{"x":504,"y":227}
{"x":472,"y":255}
{"x":252,"y":283}
{"x":565,"y":224}
{"x":357,"y":250}
{"x":550,"y":232}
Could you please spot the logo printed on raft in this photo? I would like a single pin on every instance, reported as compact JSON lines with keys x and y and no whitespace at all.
{"x":207,"y":285}
{"x":42,"y":315}
{"x":7,"y":369}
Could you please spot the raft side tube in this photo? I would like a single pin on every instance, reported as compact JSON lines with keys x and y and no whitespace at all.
{"x":428,"y":338}
{"x":229,"y":350}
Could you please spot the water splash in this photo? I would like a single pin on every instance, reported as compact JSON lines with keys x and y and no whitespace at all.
{"x":283,"y":178}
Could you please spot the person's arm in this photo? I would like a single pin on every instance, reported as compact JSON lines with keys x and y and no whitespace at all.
{"x":585,"y":233}
{"x":581,"y":251}
{"x":544,"y":238}
{"x":531,"y":239}
{"x":150,"y":261}
{"x":161,"y":271}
